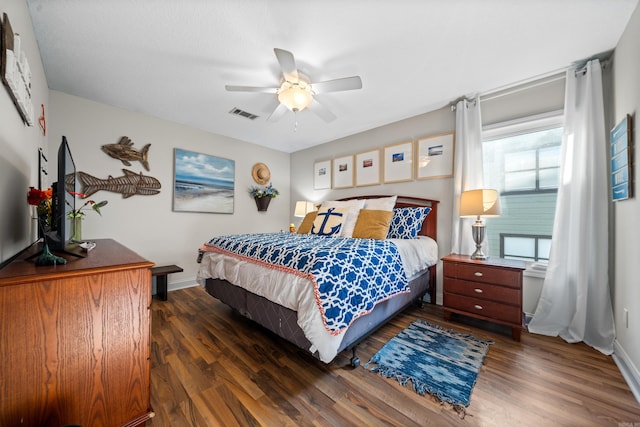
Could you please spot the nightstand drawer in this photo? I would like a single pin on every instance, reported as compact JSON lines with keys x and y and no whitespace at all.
{"x":488,"y":309}
{"x":483,"y":291}
{"x":481,"y":273}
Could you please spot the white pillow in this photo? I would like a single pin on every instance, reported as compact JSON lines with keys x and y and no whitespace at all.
{"x":380,"y":204}
{"x":353,"y":207}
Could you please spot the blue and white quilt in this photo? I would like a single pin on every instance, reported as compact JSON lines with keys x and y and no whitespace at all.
{"x":350,"y":276}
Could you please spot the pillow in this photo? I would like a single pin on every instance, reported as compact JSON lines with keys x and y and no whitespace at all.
{"x":381,"y":204}
{"x":307,"y":222}
{"x":406,"y":222}
{"x":353,"y":209}
{"x":372,"y":224}
{"x":329,"y":221}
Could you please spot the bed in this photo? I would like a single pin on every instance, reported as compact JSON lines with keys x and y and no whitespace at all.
{"x":286,"y":301}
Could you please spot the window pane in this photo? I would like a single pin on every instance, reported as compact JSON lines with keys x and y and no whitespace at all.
{"x":520,"y":246}
{"x":544,"y":248}
{"x":520,"y":181}
{"x":549,"y":157}
{"x":523,"y":160}
{"x":549,"y":178}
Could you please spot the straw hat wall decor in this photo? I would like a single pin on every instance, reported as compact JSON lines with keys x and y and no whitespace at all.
{"x":261,"y":173}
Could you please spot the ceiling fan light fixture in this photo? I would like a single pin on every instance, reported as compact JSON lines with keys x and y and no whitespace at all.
{"x":295,"y":96}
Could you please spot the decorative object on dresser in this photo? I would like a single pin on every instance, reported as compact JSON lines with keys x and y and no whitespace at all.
{"x":76,"y":340}
{"x":488,"y":290}
{"x":479,"y":203}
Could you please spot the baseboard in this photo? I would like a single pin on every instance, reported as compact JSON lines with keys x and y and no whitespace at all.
{"x":182,"y":285}
{"x":627,"y":368}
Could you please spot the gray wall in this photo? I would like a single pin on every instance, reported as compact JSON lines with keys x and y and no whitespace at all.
{"x":147,"y":224}
{"x":626,"y":288}
{"x":19,"y":143}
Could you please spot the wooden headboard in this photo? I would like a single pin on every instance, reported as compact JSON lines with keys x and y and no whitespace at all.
{"x":430,"y":224}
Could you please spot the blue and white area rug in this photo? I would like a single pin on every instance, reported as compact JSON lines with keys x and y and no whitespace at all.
{"x":440,"y":362}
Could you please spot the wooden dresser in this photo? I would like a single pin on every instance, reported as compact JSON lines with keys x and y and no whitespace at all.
{"x":75,"y":340}
{"x":489,"y":290}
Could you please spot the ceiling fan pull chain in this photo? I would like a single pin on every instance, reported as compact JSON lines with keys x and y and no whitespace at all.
{"x":295,"y":124}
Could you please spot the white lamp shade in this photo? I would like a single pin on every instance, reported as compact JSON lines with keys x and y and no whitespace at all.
{"x":480,"y":203}
{"x":296,"y":96}
{"x":303,"y":208}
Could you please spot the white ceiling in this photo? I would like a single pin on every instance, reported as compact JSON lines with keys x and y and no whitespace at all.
{"x":172,"y":59}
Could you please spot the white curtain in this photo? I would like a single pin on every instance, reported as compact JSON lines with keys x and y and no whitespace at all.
{"x":467,"y":170}
{"x":575,"y":302}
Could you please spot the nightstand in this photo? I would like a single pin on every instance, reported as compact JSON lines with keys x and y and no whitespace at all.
{"x":488,"y":289}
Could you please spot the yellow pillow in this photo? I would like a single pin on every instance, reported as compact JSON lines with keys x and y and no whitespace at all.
{"x":307,"y":222}
{"x":373,"y":224}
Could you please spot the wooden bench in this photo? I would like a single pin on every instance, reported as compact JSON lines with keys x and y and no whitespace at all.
{"x":161,"y":273}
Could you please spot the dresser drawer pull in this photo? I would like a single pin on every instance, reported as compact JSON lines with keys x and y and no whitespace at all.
{"x":477,"y":307}
{"x":478,"y":290}
{"x":477,"y":274}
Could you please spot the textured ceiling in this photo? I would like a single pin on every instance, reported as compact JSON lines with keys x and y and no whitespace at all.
{"x":172,"y":59}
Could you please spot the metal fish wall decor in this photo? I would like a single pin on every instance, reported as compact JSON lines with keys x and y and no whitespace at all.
{"x":125,"y":152}
{"x":130,"y":184}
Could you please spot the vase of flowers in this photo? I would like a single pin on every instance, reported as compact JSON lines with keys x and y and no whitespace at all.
{"x":76,"y":215}
{"x":41,"y":200}
{"x":263,"y":195}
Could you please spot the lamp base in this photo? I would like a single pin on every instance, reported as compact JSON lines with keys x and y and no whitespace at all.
{"x":477,"y":232}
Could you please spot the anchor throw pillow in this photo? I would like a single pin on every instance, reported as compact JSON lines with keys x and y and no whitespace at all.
{"x":329,"y":221}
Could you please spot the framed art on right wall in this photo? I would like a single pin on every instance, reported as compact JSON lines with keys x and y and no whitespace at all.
{"x":434,"y":157}
{"x":620,"y":160}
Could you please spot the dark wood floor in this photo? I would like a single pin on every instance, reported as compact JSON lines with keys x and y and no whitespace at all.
{"x":211,"y":367}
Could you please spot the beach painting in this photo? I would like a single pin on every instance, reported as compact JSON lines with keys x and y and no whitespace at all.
{"x":203,"y":183}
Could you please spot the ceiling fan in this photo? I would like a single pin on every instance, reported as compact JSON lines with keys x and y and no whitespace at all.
{"x":296,"y":92}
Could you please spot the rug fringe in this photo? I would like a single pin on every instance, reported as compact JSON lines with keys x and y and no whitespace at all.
{"x":452,"y":331}
{"x":417,"y":386}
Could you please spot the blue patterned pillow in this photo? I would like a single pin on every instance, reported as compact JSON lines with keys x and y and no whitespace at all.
{"x":406,"y":222}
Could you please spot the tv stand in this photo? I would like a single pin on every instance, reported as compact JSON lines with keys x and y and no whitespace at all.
{"x":72,"y":249}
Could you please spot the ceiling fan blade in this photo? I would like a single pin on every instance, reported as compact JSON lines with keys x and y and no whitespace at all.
{"x":322,"y":111}
{"x":337,"y":85}
{"x":280,"y":110}
{"x":232,"y":88}
{"x":287,"y":64}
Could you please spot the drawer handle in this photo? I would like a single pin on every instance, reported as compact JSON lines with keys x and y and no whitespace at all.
{"x":477,"y":274}
{"x":478,"y":290}
{"x":477,"y":307}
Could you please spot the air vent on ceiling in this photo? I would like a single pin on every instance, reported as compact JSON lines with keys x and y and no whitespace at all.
{"x":239,"y":112}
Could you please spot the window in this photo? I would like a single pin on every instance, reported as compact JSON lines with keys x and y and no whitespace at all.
{"x":525,"y":247}
{"x":522,"y":161}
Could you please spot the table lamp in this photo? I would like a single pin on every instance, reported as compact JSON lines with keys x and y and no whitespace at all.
{"x":479,"y":203}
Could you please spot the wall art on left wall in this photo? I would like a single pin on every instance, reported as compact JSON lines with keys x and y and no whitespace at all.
{"x":203,"y":183}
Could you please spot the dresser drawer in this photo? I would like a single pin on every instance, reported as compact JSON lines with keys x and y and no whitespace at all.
{"x":482,"y":273}
{"x":488,"y":309}
{"x":485,"y":291}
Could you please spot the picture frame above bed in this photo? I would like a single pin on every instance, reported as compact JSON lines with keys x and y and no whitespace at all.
{"x":343,"y":172}
{"x":398,"y":162}
{"x":435,"y":156}
{"x":368,"y":168}
{"x":322,"y":175}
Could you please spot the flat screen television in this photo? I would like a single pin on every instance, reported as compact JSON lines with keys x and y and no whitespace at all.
{"x":63,"y":202}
